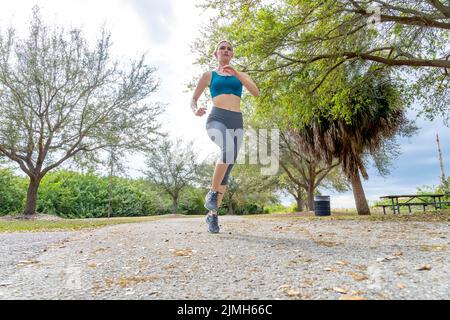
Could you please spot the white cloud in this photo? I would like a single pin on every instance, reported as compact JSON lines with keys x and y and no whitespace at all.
{"x":158,"y":17}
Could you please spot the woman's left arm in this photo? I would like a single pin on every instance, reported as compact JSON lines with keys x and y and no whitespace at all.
{"x":247,"y":82}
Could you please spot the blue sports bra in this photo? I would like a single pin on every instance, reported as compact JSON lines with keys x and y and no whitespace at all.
{"x":224,"y":84}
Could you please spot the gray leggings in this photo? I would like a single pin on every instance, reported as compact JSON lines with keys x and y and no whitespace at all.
{"x":225,"y":128}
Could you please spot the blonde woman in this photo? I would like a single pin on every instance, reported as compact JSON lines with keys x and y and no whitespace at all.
{"x":224,"y":124}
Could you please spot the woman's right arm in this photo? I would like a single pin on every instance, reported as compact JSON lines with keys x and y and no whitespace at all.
{"x":202,"y":84}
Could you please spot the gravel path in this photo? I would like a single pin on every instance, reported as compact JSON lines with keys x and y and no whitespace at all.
{"x":260,"y":258}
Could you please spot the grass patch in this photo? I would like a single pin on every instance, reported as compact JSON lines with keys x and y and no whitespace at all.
{"x":72,"y":224}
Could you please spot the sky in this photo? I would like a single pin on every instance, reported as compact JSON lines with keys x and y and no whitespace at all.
{"x":164,"y":30}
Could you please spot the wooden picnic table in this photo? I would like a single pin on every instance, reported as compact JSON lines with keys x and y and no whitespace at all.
{"x":395,"y":204}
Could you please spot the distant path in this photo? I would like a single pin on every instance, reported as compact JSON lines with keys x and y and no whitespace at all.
{"x":252,"y":258}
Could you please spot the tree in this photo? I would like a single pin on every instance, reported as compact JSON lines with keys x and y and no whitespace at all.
{"x":60,"y":98}
{"x":283,"y":40}
{"x":172,"y":166}
{"x":379,"y":116}
{"x":306,"y":174}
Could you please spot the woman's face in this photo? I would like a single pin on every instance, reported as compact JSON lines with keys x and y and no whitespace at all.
{"x":224,"y":52}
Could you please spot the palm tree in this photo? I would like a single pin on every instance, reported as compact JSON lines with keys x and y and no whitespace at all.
{"x":305,"y":174}
{"x":379,"y":114}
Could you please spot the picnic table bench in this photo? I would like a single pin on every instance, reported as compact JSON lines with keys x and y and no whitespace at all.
{"x":422,"y":200}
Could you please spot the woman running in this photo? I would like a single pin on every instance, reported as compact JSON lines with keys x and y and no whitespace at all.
{"x":224,"y":124}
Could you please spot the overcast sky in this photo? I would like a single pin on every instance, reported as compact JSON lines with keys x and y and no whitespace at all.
{"x":165,"y":30}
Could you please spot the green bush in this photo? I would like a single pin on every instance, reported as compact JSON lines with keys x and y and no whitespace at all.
{"x":74,"y":195}
{"x":71,"y":194}
{"x":12,"y":192}
{"x":250,"y":208}
{"x":192,"y":201}
{"x":154,"y":200}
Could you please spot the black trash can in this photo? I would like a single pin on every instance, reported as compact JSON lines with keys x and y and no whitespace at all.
{"x":322,"y":205}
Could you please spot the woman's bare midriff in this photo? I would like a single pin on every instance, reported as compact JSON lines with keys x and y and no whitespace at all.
{"x":228,"y":102}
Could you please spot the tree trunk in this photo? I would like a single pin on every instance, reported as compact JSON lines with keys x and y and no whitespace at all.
{"x":230,"y":208}
{"x":299,"y":199}
{"x":360,"y":198}
{"x":30,"y":207}
{"x":311,"y":198}
{"x":299,"y":204}
{"x":110,"y":196}
{"x":175,"y":205}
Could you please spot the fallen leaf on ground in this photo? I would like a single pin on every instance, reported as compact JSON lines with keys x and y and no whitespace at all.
{"x":5,"y":284}
{"x":434,"y":247}
{"x":385,"y":259}
{"x":340,"y":290}
{"x":289,"y":291}
{"x":126,"y":282}
{"x":346,"y":297}
{"x":22,"y":263}
{"x":425,"y":267}
{"x":293,"y":262}
{"x":357,"y":276}
{"x":327,"y":243}
{"x":99,"y":250}
{"x":183,"y":252}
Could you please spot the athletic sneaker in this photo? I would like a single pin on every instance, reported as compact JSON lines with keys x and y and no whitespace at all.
{"x":213,"y":223}
{"x":211,"y":200}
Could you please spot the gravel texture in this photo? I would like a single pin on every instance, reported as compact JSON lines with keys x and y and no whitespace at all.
{"x":251,"y":258}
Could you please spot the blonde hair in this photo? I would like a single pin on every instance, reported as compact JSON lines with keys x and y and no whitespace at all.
{"x":222,"y":41}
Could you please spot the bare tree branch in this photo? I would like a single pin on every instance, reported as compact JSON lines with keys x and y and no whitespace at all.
{"x":441,"y":7}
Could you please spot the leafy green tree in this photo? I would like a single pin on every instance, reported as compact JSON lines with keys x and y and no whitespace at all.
{"x":291,"y":188}
{"x":172,"y":166}
{"x":307,"y":43}
{"x":380,"y":115}
{"x":60,"y":98}
{"x":307,"y":173}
